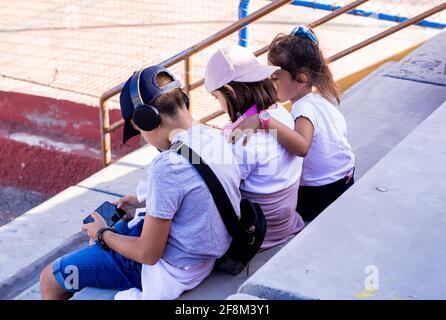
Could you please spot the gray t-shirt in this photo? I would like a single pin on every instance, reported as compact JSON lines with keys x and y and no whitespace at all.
{"x":176,"y":191}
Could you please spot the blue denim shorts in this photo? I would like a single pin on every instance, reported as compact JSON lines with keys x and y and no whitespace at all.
{"x":95,"y":267}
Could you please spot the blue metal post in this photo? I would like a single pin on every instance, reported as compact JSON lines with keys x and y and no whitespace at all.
{"x":244,"y":33}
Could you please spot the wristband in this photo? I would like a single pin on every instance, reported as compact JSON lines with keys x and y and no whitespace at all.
{"x":99,"y":237}
{"x":264,"y":117}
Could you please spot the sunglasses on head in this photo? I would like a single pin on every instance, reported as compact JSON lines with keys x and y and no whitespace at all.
{"x":304,"y":32}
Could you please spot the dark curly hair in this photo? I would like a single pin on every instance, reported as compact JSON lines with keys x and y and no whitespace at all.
{"x":299,"y":54}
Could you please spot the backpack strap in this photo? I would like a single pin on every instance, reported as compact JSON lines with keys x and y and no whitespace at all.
{"x":215,"y":187}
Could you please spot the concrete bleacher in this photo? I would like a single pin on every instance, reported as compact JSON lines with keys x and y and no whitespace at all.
{"x":399,"y":232}
{"x":387,"y":105}
{"x":395,"y":131}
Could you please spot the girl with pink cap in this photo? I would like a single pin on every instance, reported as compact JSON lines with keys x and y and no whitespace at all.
{"x":270,"y":174}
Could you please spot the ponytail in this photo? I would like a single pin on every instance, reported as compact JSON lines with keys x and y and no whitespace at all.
{"x":326,"y":86}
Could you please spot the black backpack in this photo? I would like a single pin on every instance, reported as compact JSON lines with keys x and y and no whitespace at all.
{"x":247,"y":233}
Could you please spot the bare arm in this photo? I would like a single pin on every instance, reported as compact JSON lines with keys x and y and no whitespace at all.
{"x":146,"y":249}
{"x":297,"y":141}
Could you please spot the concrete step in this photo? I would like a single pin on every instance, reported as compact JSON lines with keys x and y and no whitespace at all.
{"x":241,"y":296}
{"x":360,"y":86}
{"x":122,"y":176}
{"x":32,"y":293}
{"x":382,"y":110}
{"x":382,"y":239}
{"x":37,"y":237}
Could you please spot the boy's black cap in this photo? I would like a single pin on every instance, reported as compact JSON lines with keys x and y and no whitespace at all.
{"x":149,"y":91}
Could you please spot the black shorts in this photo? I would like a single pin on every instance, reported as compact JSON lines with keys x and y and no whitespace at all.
{"x":313,"y":200}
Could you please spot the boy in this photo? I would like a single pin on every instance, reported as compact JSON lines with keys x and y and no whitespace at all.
{"x":173,"y":248}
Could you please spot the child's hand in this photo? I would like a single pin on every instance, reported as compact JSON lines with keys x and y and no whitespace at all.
{"x":92,"y":228}
{"x":247,"y":128}
{"x":128,"y":204}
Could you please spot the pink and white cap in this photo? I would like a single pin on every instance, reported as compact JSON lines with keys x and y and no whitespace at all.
{"x":234,"y":63}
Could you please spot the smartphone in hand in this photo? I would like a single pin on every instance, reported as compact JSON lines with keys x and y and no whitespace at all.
{"x":109,"y":212}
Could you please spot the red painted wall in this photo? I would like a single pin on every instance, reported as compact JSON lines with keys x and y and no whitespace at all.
{"x":70,"y":117}
{"x":46,"y":169}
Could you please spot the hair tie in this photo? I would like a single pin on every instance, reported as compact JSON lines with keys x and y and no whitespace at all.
{"x":304,"y":32}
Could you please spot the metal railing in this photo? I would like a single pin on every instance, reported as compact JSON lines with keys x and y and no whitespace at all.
{"x":187,"y":54}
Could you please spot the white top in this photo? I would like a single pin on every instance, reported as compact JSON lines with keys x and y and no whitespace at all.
{"x":330,"y":156}
{"x":265,"y":165}
{"x":163,"y":281}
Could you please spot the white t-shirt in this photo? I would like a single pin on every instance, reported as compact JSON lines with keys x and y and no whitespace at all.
{"x":265,"y":165}
{"x":330,"y":157}
{"x":163,"y":281}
